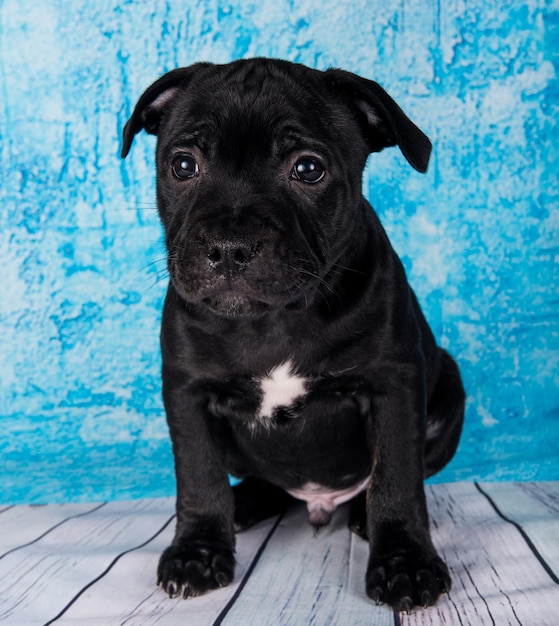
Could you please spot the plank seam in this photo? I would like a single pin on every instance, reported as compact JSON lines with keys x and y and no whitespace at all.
{"x":6,"y":508}
{"x":57,"y":525}
{"x":107,"y":570}
{"x":248,"y":573}
{"x":523,"y":533}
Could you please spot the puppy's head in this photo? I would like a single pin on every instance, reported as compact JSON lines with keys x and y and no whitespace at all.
{"x":259,"y":166}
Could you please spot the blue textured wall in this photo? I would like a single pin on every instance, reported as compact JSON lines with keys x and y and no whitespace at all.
{"x":81,"y":260}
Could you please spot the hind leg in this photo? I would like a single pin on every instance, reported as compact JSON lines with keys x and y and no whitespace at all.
{"x":257,"y":500}
{"x":445,"y":415}
{"x":357,"y":521}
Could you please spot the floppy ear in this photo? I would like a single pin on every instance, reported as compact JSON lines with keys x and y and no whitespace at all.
{"x":387,"y":124}
{"x":153,"y":102}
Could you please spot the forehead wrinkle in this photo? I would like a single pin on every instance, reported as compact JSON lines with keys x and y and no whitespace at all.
{"x":241,"y":120}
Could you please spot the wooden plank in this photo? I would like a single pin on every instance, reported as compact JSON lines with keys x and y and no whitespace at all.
{"x":309,"y":578}
{"x":85,"y":565}
{"x":39,"y":580}
{"x":496,"y":578}
{"x":23,"y":524}
{"x":127,"y":594}
{"x":535,"y":508}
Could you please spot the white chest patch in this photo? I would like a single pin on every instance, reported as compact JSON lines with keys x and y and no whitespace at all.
{"x":280,"y":388}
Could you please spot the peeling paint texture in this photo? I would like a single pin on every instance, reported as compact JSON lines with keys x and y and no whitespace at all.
{"x":82,"y":262}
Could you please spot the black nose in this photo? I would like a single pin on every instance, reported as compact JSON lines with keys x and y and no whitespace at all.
{"x":231,"y":255}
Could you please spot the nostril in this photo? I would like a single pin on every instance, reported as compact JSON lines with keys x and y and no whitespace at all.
{"x":243,"y":255}
{"x":214,"y":254}
{"x":231,"y":255}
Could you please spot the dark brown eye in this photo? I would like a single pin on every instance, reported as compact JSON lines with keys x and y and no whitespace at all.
{"x":308,"y":170}
{"x":184,"y":166}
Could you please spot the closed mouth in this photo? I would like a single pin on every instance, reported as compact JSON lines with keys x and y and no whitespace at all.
{"x":233,"y":304}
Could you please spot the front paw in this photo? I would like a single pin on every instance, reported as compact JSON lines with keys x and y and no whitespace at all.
{"x":193,"y":569}
{"x":407,"y":579}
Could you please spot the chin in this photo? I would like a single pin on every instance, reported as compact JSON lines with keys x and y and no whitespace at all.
{"x":236,"y":306}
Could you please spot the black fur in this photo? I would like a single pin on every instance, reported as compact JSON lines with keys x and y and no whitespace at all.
{"x":274,"y":257}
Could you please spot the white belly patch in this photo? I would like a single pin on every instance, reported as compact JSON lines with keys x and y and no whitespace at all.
{"x":280,"y":388}
{"x":323,"y":501}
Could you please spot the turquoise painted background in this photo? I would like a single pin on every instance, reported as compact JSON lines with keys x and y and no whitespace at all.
{"x":82,"y":271}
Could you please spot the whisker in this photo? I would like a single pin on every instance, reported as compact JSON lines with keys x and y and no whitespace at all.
{"x":147,"y":207}
{"x":158,"y":279}
{"x":321,"y":284}
{"x":156,"y":262}
{"x":349,"y":269}
{"x":320,"y":280}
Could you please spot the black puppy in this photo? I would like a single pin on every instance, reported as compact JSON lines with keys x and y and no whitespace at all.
{"x":295,"y":354}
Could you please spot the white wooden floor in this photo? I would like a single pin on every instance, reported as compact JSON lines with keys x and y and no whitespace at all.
{"x":95,"y":564}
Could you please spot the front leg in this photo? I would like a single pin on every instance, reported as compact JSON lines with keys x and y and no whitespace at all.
{"x":404,"y":568}
{"x":201,"y":556}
